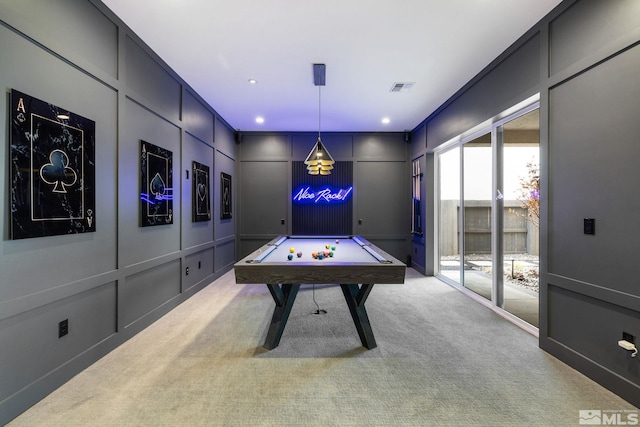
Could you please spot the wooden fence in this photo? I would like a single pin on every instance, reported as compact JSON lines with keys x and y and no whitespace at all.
{"x":520,"y":235}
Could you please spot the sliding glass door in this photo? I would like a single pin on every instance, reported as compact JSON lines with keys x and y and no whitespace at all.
{"x":488,"y":213}
{"x":477,"y":215}
{"x":521,"y":181}
{"x":449,"y":214}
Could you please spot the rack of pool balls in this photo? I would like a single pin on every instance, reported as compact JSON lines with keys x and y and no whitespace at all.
{"x":327,"y":253}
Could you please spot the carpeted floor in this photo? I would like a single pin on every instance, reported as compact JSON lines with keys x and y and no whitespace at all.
{"x":441,"y":360}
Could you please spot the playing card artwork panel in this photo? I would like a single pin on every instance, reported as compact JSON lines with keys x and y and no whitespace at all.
{"x":156,"y":185}
{"x":225,"y":196}
{"x":52,"y":163}
{"x":201,"y":202}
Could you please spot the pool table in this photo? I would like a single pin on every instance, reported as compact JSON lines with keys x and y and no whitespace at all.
{"x":286,"y":262}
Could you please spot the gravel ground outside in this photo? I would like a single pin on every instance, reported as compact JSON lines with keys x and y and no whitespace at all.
{"x":525,"y":273}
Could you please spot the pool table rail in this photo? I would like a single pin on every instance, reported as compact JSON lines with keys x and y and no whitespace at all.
{"x":383,"y":267}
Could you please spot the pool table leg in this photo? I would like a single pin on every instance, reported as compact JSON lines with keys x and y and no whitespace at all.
{"x":356,"y":296}
{"x":284,"y":296}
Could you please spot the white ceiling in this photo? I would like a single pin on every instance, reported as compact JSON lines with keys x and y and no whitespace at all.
{"x":367,"y":45}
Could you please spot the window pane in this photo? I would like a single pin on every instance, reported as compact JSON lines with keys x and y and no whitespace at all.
{"x":521,"y":163}
{"x":477,"y":189}
{"x":449,"y":182}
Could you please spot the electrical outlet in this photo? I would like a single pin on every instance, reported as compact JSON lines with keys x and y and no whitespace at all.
{"x":63,"y":328}
{"x":628,"y":337}
{"x":186,"y":272}
{"x":589,"y":226}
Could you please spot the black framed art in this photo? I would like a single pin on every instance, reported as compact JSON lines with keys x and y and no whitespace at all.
{"x":156,"y":185}
{"x":225,"y":196}
{"x":52,"y":170}
{"x":200,"y":200}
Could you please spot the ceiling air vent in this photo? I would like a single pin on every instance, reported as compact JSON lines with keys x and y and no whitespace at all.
{"x":402,"y":87}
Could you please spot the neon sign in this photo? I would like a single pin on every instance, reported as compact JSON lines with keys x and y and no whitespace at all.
{"x":154,"y":198}
{"x":328,"y":195}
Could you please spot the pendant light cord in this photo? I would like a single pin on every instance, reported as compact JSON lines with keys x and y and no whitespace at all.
{"x":319,"y":109}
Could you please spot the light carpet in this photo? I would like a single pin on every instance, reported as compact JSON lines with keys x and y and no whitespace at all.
{"x":441,"y":360}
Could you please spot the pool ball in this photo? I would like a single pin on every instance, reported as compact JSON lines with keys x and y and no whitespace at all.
{"x":299,"y":254}
{"x":327,"y":246}
{"x":320,"y":255}
{"x":331,"y":254}
{"x":337,"y":240}
{"x":290,"y":257}
{"x":292,"y":250}
{"x":314,"y":254}
{"x":333,"y":248}
{"x":326,"y":254}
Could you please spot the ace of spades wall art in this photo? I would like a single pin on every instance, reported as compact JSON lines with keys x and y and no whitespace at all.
{"x":52,"y":170}
{"x":156,"y":185}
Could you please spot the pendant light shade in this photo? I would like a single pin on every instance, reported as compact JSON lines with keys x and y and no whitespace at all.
{"x":319,"y":161}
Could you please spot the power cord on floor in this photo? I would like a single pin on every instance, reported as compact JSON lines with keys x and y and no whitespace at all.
{"x":313,"y":294}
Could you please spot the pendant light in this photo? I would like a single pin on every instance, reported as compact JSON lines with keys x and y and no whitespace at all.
{"x":319,"y":161}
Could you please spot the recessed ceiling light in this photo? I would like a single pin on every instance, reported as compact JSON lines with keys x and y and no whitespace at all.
{"x":386,"y":121}
{"x":253,"y":81}
{"x":259,"y":120}
{"x":63,"y":116}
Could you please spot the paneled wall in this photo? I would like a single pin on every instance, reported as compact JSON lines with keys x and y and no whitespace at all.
{"x":112,"y":283}
{"x":583,"y":59}
{"x":381,"y":180}
{"x":592,"y":171}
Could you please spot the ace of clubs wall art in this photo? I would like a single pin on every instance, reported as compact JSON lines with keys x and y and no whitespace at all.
{"x":52,"y":170}
{"x":156,"y":185}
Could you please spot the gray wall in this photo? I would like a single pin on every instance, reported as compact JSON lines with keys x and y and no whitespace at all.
{"x":381,"y":179}
{"x":421,"y":254}
{"x":112,"y":283}
{"x":584,"y":59}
